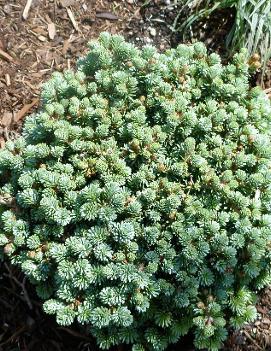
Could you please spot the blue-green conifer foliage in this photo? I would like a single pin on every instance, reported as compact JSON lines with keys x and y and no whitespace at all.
{"x":138,"y":199}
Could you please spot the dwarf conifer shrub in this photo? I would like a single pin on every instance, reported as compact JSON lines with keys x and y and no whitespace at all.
{"x":138,"y":199}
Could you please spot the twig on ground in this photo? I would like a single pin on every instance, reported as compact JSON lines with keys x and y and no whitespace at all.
{"x":26,"y":9}
{"x":6,"y":56}
{"x":8,"y":82}
{"x":252,"y":340}
{"x":20,"y":114}
{"x":73,"y":21}
{"x":13,"y":336}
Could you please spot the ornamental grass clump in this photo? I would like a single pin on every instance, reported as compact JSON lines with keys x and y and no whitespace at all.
{"x":138,"y":199}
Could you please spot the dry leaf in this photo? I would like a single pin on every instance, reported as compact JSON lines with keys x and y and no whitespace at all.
{"x":51,"y":30}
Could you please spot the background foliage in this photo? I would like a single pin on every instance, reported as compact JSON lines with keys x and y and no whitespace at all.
{"x":251,"y":26}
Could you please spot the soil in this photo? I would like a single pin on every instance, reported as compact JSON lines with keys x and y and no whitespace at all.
{"x":53,"y":35}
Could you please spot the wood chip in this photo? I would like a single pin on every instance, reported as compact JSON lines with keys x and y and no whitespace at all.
{"x":107,"y":15}
{"x":2,"y":142}
{"x":66,"y":45}
{"x":48,"y":19}
{"x":7,"y":77}
{"x":20,"y":114}
{"x":73,"y":21}
{"x":6,"y":119}
{"x":66,"y":3}
{"x":41,"y":38}
{"x":7,"y":9}
{"x":39,"y":30}
{"x":51,"y":30}
{"x":5,"y":55}
{"x":26,"y":9}
{"x":1,"y":44}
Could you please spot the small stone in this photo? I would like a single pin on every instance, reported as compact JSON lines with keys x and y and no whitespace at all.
{"x":152,"y":32}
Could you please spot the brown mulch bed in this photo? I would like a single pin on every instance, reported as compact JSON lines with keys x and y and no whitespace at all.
{"x":53,"y":35}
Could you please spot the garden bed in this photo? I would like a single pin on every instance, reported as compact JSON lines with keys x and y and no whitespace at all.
{"x":52,"y":37}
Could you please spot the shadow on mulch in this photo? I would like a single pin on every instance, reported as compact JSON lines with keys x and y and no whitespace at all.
{"x":23,"y":324}
{"x":25,"y":327}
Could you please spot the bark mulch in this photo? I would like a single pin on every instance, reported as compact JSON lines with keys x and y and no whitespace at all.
{"x":37,"y":38}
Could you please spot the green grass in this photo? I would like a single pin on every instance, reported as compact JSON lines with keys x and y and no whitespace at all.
{"x":251,"y":28}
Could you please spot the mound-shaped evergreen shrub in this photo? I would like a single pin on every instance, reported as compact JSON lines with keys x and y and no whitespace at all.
{"x":138,"y":199}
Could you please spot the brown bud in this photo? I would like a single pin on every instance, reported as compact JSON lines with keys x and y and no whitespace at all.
{"x":256,"y":65}
{"x":200,"y":305}
{"x":141,"y":267}
{"x":152,"y":61}
{"x":209,"y":321}
{"x":77,"y":302}
{"x":142,"y":98}
{"x":255,"y":57}
{"x":161,"y":168}
{"x":90,"y":172}
{"x":255,"y":61}
{"x":31,"y":254}
{"x":129,"y":64}
{"x":161,"y":183}
{"x":210,"y":298}
{"x":251,"y":138}
{"x":8,"y":248}
{"x":135,"y":146}
{"x":129,"y":199}
{"x":172,"y":215}
{"x":44,"y":247}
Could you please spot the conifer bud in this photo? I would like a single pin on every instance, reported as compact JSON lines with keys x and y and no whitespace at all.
{"x":9,"y":248}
